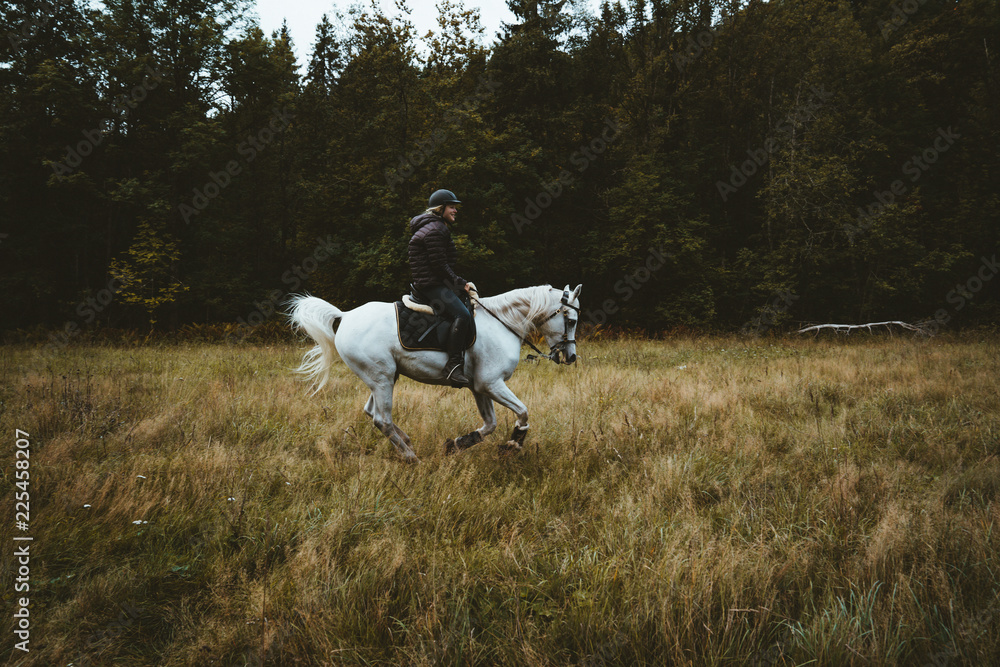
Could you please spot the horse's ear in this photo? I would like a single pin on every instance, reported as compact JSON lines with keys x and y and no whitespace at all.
{"x":576,"y":292}
{"x":566,"y":289}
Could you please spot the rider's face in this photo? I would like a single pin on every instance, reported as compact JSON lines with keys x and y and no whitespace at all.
{"x":449,"y":213}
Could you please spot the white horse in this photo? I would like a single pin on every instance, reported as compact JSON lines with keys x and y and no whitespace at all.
{"x":367,"y":341}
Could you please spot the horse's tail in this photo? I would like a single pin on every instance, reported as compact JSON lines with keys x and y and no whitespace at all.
{"x":319,"y":319}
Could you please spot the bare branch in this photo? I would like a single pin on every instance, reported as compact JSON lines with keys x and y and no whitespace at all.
{"x":846,"y":329}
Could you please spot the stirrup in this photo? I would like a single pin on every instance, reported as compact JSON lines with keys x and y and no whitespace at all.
{"x":457,"y":378}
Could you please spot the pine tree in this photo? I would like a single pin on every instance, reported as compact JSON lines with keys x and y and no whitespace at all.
{"x":146,"y":273}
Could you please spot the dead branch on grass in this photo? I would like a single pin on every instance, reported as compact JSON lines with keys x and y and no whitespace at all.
{"x":846,"y":329}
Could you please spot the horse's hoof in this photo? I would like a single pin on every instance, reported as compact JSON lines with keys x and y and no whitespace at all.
{"x":463,"y":443}
{"x":411,"y":458}
{"x":509,"y":447}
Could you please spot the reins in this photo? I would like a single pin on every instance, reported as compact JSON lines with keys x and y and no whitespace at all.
{"x":554,"y":350}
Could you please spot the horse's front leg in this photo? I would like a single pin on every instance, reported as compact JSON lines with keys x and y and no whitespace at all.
{"x":502,"y":394}
{"x":485,"y":405}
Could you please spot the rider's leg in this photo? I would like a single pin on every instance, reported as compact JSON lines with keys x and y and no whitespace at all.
{"x":455,"y":366}
{"x":449,"y":305}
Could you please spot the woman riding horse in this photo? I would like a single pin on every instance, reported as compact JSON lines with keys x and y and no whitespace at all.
{"x":432,"y":264}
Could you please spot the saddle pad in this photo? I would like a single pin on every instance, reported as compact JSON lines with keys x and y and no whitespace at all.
{"x":418,"y":331}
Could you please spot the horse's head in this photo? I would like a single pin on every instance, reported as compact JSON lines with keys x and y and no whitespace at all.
{"x":559,"y":329}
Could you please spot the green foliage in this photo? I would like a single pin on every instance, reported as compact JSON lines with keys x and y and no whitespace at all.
{"x":768,"y":148}
{"x":145,"y":275}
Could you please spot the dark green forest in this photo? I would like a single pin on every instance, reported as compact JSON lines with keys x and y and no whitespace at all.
{"x":696,"y":164}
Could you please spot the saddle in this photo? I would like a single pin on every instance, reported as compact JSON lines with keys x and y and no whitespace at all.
{"x":420,"y":328}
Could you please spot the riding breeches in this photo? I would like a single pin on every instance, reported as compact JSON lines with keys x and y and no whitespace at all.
{"x":446,"y":303}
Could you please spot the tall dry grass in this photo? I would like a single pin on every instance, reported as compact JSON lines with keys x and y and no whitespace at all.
{"x":690,"y":501}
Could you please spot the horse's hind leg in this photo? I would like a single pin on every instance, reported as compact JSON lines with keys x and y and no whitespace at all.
{"x":370,"y":411}
{"x":402,"y":435}
{"x":379,"y":407}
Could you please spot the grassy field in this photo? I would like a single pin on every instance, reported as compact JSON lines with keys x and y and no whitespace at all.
{"x":689,"y":501}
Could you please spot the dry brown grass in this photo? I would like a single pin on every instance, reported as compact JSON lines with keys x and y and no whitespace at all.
{"x":692,"y":501}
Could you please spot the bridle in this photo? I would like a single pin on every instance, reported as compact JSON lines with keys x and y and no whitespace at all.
{"x":554,"y":350}
{"x":561,"y":346}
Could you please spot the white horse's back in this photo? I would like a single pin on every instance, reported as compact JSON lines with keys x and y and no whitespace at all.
{"x":364,"y":338}
{"x":367,"y":340}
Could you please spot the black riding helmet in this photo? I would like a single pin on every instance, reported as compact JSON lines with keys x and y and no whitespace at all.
{"x":441,"y":197}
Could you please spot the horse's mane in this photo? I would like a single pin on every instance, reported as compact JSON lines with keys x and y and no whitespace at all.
{"x":521,"y":308}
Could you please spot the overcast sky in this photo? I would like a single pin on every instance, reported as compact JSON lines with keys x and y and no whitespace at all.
{"x":304,"y":15}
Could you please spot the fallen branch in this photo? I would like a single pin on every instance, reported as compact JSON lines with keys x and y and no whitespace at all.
{"x":847,"y":328}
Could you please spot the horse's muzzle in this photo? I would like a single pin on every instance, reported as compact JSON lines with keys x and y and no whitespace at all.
{"x":564,"y":357}
{"x":560,"y":355}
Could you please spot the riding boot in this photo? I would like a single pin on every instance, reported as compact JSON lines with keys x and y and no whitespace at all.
{"x":456,"y":354}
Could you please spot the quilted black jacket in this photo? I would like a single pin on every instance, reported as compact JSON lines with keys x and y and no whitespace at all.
{"x":432,"y":253}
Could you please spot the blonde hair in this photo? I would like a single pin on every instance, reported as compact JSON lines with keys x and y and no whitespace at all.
{"x":437,"y":210}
